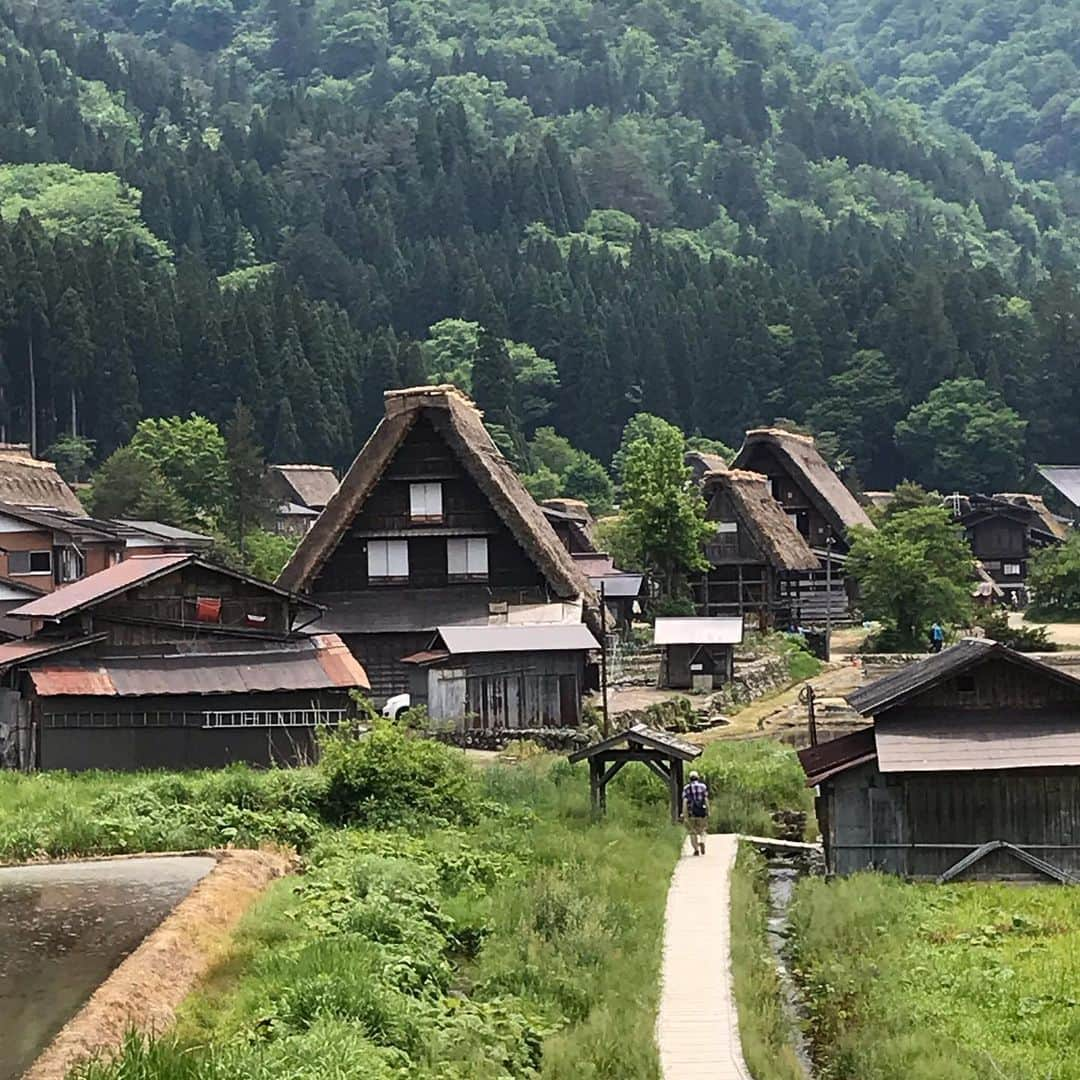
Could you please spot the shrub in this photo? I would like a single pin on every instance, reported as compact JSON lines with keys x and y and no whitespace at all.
{"x":386,"y":778}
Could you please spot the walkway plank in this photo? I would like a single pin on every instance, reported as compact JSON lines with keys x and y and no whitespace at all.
{"x":697,"y":1029}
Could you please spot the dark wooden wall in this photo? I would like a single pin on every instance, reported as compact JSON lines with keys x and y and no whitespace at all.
{"x":381,"y":656}
{"x":676,"y":673}
{"x":138,"y":733}
{"x":425,"y":456}
{"x":920,"y":824}
{"x":995,"y":684}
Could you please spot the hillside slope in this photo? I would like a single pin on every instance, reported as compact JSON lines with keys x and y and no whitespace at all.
{"x":672,"y":202}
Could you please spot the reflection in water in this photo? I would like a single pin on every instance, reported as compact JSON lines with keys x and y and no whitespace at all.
{"x":63,"y":928}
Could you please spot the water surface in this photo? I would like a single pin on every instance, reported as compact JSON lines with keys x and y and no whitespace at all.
{"x":63,"y":928}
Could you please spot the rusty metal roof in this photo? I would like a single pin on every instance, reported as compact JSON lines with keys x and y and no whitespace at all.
{"x":537,"y":637}
{"x":721,"y":630}
{"x":837,"y":755}
{"x":318,"y":663}
{"x":15,"y":653}
{"x":990,"y":739}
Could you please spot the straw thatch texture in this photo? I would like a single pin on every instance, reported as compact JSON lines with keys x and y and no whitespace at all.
{"x":312,"y":486}
{"x":822,"y":484}
{"x":459,"y":422}
{"x":763,"y":518}
{"x":27,"y":481}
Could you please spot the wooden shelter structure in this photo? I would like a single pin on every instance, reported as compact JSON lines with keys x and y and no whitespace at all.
{"x":659,"y":751}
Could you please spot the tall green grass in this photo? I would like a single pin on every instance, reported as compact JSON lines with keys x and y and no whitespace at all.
{"x":763,"y":1028}
{"x":926,"y":982}
{"x":526,"y":944}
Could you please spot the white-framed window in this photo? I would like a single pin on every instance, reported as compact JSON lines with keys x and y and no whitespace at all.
{"x":425,"y":502}
{"x":467,"y":558}
{"x":1010,"y":569}
{"x":388,"y":560}
{"x":29,"y":562}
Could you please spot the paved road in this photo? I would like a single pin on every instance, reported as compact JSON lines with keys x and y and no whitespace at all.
{"x":697,"y":1029}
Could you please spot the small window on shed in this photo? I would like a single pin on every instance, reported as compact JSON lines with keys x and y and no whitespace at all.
{"x":965,"y":684}
{"x":1011,"y":569}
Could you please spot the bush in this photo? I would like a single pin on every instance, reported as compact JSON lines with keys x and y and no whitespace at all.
{"x":388,"y":778}
{"x":1022,"y":638}
{"x":1054,"y":579}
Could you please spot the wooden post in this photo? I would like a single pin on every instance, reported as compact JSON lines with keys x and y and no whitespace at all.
{"x":603,"y":658}
{"x":594,"y":784}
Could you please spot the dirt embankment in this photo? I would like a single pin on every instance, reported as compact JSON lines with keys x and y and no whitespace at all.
{"x":146,"y":989}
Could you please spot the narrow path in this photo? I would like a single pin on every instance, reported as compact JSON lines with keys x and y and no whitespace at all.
{"x":697,"y":1029}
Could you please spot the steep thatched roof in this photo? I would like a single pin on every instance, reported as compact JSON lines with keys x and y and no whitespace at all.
{"x":763,"y":518}
{"x":1051,"y":522}
{"x":27,"y":481}
{"x":459,"y":422}
{"x":312,"y":486}
{"x":822,"y":484}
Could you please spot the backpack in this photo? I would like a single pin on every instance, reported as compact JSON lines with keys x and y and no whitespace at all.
{"x":696,"y":794}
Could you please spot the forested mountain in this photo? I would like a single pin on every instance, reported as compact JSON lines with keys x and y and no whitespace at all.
{"x":1006,"y":72}
{"x":677,"y":206}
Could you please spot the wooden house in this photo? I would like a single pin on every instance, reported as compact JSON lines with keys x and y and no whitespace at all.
{"x":170,"y":661}
{"x":702,"y":464}
{"x":698,"y":653}
{"x":431,"y":527}
{"x":971,"y":768}
{"x":299,"y":493}
{"x":503,"y":677}
{"x":1005,"y":531}
{"x":572,"y":523}
{"x":818,"y":505}
{"x":757,"y":558}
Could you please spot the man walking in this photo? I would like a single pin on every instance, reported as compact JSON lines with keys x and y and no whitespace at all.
{"x":937,"y":637}
{"x":695,"y":812}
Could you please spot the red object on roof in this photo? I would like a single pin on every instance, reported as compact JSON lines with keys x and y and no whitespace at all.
{"x":96,"y":587}
{"x":208,"y":609}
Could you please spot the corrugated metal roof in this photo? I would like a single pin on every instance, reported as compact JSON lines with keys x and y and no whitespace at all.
{"x":167,"y":532}
{"x":21,"y":652}
{"x":724,"y":630}
{"x":540,"y":637}
{"x":920,"y":675}
{"x":951,"y":742}
{"x":95,"y":587}
{"x":1066,"y":478}
{"x":618,"y":585}
{"x":837,"y":755}
{"x":319,"y":663}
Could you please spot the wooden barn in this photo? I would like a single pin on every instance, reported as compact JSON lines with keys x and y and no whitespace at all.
{"x":504,"y":677}
{"x":169,"y":662}
{"x":757,"y":558}
{"x":431,"y":527}
{"x":971,"y":769}
{"x":698,"y":654}
{"x":818,"y":505}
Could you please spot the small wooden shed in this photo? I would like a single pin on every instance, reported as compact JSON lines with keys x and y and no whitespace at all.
{"x":698,"y":653}
{"x":498,"y":677}
{"x":971,"y":767}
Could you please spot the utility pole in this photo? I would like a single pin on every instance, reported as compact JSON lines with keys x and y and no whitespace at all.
{"x":603,"y":658}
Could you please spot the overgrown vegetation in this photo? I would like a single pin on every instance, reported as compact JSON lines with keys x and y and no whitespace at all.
{"x":926,"y":982}
{"x":524,"y":945}
{"x":763,"y":1028}
{"x":1054,"y":579}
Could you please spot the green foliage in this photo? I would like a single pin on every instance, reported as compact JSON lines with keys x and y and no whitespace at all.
{"x":386,"y":778}
{"x":131,"y":485}
{"x":1054,"y":580}
{"x":931,"y":982}
{"x":72,"y":455}
{"x":995,"y":624}
{"x":907,"y":495}
{"x":87,"y":206}
{"x":711,"y":446}
{"x":764,"y":1030}
{"x":191,"y":455}
{"x":915,"y":569}
{"x":963,"y":437}
{"x":266,"y":553}
{"x":663,"y":513}
{"x":558,"y":468}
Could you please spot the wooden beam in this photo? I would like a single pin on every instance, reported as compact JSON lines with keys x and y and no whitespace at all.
{"x":608,"y":776}
{"x":658,"y":768}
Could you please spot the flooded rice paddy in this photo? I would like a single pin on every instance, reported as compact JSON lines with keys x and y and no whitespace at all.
{"x":64,"y":927}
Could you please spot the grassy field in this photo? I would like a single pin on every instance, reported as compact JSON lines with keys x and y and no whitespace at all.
{"x":923,"y":982}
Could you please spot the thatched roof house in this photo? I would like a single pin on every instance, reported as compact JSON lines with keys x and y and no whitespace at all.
{"x":700,"y":464}
{"x":801,"y":480}
{"x":432,"y":527}
{"x":310,"y":486}
{"x":27,"y":481}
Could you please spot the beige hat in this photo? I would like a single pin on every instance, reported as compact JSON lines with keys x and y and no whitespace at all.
{"x":694,"y":776}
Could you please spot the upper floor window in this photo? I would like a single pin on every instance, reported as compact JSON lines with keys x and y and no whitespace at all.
{"x":30,"y":562}
{"x":388,"y":560}
{"x":467,"y":560}
{"x":425,"y":502}
{"x":72,"y":565}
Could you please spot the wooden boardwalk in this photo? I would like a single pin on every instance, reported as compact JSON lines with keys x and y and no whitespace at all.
{"x":697,"y":1029}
